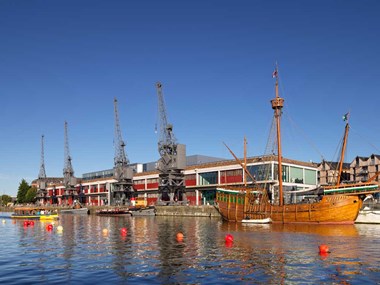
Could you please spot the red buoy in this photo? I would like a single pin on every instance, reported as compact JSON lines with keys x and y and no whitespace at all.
{"x":229,"y":238}
{"x":26,"y":223}
{"x":179,"y":236}
{"x":49,"y":227}
{"x":31,"y":223}
{"x":324,"y":249}
{"x":124,"y":231}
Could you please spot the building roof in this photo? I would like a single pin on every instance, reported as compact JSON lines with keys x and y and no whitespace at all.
{"x":333,"y":164}
{"x":255,"y":159}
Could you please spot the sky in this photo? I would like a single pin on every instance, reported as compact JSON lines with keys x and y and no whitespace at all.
{"x":67,"y":61}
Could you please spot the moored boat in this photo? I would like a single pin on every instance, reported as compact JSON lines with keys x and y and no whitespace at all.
{"x":76,"y":209}
{"x":143,"y":211}
{"x":368,"y":216}
{"x":257,"y":221}
{"x":249,"y":203}
{"x":370,"y":213}
{"x":330,"y":209}
{"x":85,"y":211}
{"x":37,"y":213}
{"x":113,"y":212}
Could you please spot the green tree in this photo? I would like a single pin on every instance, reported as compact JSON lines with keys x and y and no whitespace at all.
{"x":30,"y":196}
{"x":5,"y":199}
{"x":22,"y":190}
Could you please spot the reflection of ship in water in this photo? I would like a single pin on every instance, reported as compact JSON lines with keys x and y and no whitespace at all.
{"x":323,"y":230}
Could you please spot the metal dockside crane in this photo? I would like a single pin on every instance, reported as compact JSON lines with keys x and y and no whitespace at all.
{"x":171,"y":184}
{"x":41,"y":191}
{"x":122,"y":190}
{"x":69,"y":180}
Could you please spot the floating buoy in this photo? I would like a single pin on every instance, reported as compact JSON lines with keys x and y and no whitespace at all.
{"x":31,"y":223}
{"x":123,"y":231}
{"x":105,"y":232}
{"x":229,"y":238}
{"x":4,"y":221}
{"x":324,"y":249}
{"x":26,"y":223}
{"x":59,"y":229}
{"x":179,"y":236}
{"x":49,"y":227}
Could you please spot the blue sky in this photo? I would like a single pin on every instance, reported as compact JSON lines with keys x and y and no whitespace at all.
{"x":67,"y":60}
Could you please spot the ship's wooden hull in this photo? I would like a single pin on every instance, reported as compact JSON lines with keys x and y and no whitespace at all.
{"x":331,"y":209}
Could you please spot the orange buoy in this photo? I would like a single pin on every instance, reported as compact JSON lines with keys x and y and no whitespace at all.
{"x":179,"y":236}
{"x":324,"y":249}
{"x":229,"y":238}
{"x":105,"y":232}
{"x":124,"y":231}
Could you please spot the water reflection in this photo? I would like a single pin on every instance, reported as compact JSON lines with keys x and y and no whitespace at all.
{"x":150,"y":252}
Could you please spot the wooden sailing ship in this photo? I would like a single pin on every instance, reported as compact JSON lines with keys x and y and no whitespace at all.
{"x":253,"y":203}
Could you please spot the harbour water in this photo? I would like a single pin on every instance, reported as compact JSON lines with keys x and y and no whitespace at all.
{"x":92,"y":250}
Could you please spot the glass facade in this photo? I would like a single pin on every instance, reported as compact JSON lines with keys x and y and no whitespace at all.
{"x":310,"y":176}
{"x":296,"y":174}
{"x":260,"y":172}
{"x":208,"y":178}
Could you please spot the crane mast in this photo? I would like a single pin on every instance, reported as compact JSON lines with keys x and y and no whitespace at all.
{"x":41,"y":192}
{"x":42,"y":173}
{"x":122,"y":190}
{"x":167,"y":141}
{"x":171,"y":184}
{"x":69,"y":180}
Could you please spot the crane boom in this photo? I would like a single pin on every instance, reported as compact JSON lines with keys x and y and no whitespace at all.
{"x":120,"y":156}
{"x":42,"y":173}
{"x":68,"y":171}
{"x":166,"y":137}
{"x":41,"y":192}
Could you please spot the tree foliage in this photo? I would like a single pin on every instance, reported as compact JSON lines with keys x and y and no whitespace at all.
{"x":5,"y":199}
{"x":22,"y":190}
{"x":30,"y":196}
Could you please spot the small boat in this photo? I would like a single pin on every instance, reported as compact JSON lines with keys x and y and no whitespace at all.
{"x":143,"y":211}
{"x":77,"y":209}
{"x":257,"y":221}
{"x":85,"y":211}
{"x":36,"y":213}
{"x":113,"y":212}
{"x":370,"y":214}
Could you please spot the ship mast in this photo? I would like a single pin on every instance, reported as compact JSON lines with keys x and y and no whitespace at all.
{"x":277,"y":104}
{"x":343,"y":151}
{"x":245,"y":160}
